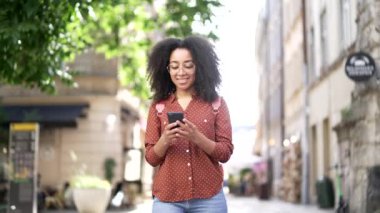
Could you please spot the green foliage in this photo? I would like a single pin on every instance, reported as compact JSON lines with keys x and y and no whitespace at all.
{"x":35,"y":38}
{"x":38,"y":36}
{"x":89,"y":182}
{"x":346,"y":113}
{"x":245,"y":171}
{"x":109,"y":166}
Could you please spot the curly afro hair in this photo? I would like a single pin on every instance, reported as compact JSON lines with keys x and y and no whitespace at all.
{"x":207,"y":77}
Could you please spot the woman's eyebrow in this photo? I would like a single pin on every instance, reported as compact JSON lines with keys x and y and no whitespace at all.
{"x":175,"y":61}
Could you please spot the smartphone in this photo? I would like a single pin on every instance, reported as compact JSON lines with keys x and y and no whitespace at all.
{"x":175,"y":116}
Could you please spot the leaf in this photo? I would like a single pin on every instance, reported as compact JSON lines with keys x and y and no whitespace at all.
{"x":37,"y":36}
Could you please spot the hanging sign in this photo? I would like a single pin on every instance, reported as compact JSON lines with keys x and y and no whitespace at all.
{"x":360,"y":66}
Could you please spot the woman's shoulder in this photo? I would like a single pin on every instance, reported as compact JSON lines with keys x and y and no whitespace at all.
{"x":163,"y":100}
{"x":157,"y":104}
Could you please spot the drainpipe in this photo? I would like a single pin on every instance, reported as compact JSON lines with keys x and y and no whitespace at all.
{"x":305,"y":136}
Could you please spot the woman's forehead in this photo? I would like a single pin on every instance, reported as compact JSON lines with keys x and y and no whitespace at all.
{"x":182,"y":54}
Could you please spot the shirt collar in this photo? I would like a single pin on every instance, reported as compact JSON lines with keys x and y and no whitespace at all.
{"x":173,"y":98}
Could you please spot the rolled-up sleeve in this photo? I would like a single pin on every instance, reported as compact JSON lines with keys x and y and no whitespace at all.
{"x":223,"y":135}
{"x":152,"y":135}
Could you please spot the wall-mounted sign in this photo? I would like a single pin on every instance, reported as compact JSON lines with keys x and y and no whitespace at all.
{"x":360,"y":66}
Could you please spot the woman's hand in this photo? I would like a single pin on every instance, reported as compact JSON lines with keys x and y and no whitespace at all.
{"x":169,"y":134}
{"x":188,"y":130}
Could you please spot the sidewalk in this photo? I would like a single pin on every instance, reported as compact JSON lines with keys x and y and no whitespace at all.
{"x":235,"y":205}
{"x":255,"y":205}
{"x":252,"y":205}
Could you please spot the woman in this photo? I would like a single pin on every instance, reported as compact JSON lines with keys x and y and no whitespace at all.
{"x":184,"y":76}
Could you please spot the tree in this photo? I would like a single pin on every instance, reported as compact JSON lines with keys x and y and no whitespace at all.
{"x":38,"y":36}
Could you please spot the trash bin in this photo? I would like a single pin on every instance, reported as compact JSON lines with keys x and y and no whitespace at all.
{"x":263,"y":191}
{"x":325,"y":193}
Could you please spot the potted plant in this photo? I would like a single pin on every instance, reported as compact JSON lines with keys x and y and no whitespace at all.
{"x":91,"y":193}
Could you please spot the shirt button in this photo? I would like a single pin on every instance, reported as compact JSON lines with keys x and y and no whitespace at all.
{"x":187,"y":150}
{"x":188,"y":164}
{"x":189,"y":178}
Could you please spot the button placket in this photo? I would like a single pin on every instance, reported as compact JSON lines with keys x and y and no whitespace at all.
{"x":188,"y":163}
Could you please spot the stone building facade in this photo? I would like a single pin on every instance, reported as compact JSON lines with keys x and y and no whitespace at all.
{"x":82,"y":127}
{"x":333,"y":118}
{"x":270,"y":128}
{"x":294,"y":104}
{"x":330,"y":31}
{"x":359,"y":129}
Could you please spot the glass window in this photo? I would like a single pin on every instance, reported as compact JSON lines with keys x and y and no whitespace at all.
{"x":324,"y":41}
{"x":345,"y":18}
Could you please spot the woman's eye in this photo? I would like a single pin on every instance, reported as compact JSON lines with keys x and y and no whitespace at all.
{"x":173,"y":67}
{"x":189,"y":66}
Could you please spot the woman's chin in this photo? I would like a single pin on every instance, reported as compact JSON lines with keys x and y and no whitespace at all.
{"x":185,"y":88}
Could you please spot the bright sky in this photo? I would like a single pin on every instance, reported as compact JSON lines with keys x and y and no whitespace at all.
{"x":236,"y":49}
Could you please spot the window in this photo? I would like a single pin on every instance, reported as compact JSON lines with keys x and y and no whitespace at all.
{"x":324,"y":44}
{"x":132,"y":167}
{"x":311,"y":59}
{"x":345,"y":25}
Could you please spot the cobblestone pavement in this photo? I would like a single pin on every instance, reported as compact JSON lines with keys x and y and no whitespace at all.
{"x":235,"y":205}
{"x":252,"y":205}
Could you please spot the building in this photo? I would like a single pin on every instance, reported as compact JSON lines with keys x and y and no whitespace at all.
{"x":280,"y":50}
{"x":331,"y":33}
{"x":269,"y":51}
{"x":82,"y":128}
{"x":332,"y":117}
{"x":295,"y":142}
{"x":358,"y":129}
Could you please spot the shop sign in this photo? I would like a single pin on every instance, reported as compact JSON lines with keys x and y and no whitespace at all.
{"x":360,"y":66}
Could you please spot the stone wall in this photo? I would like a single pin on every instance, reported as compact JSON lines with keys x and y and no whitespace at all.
{"x":359,"y":131}
{"x":359,"y":143}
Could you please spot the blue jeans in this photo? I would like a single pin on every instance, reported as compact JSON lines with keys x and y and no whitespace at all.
{"x":215,"y":204}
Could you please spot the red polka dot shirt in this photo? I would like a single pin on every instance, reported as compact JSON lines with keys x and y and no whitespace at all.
{"x":187,"y":172}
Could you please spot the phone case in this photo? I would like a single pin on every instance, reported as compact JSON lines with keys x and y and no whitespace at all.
{"x":174,"y":116}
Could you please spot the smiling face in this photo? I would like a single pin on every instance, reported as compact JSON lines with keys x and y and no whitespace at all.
{"x":182,"y":70}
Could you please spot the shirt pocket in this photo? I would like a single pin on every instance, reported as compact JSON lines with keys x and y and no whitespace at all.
{"x":206,"y":124}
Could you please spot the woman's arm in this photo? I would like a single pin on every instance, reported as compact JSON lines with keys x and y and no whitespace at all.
{"x":156,"y":144}
{"x":221,"y":149}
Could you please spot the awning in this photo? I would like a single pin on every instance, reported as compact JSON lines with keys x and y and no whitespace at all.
{"x":51,"y":115}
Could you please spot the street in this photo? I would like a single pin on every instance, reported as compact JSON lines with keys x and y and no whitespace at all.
{"x":252,"y":205}
{"x":235,"y":205}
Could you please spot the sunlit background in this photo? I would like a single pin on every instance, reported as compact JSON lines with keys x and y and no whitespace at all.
{"x":236,"y":23}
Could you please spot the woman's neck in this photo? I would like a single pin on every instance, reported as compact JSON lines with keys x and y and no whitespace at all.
{"x":183,"y":98}
{"x":183,"y":94}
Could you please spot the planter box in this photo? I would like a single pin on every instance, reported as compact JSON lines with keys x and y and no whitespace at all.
{"x":91,"y":200}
